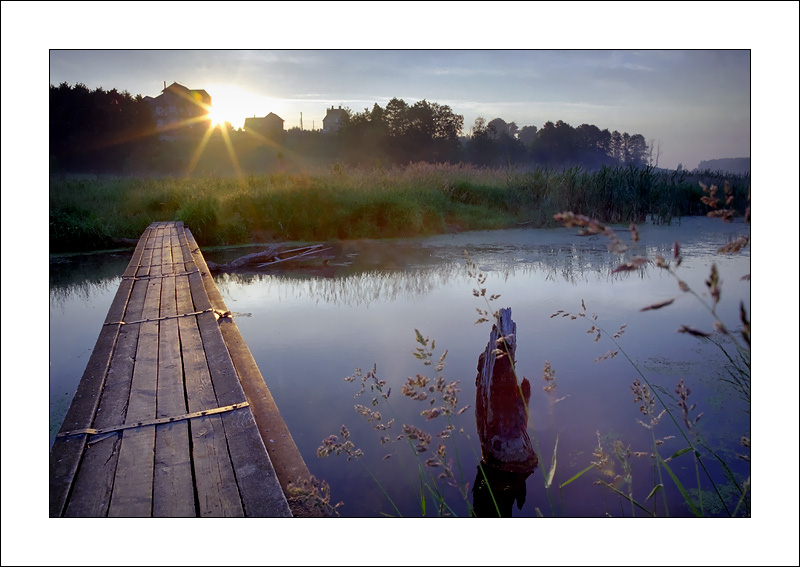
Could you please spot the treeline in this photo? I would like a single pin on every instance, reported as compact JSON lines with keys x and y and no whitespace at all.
{"x":111,"y":132}
{"x":429,"y":132}
{"x":739,"y":166}
{"x":97,"y":131}
{"x":498,"y":143}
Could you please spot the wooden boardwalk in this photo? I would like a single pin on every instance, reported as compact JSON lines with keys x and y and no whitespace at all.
{"x":172,"y":416}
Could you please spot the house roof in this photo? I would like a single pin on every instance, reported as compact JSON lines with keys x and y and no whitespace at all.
{"x":334,"y":112}
{"x":269,"y":118}
{"x":186,"y":93}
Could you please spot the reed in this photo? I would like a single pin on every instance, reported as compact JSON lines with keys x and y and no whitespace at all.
{"x":678,"y":408}
{"x":435,"y":469}
{"x":347,"y":203}
{"x":668,"y":413}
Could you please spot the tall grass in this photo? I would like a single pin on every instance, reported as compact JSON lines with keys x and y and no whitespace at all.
{"x":343,"y":203}
{"x":666,"y":414}
{"x":729,"y":494}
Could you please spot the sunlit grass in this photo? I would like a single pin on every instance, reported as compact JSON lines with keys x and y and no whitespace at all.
{"x":343,"y":203}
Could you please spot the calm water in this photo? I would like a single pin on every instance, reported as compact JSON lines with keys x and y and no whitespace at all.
{"x":311,"y":326}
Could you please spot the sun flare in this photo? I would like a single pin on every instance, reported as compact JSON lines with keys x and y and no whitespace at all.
{"x":230,"y":103}
{"x":218,"y":116}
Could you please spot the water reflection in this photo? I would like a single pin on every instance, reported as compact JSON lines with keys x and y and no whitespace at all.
{"x":82,"y":288}
{"x":310,"y":324}
{"x":361,"y":272}
{"x":81,"y":276}
{"x":355,"y":289}
{"x":356,"y":286}
{"x":495,"y":491}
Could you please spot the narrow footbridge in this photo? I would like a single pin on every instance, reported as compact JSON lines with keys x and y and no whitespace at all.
{"x":172,"y":417}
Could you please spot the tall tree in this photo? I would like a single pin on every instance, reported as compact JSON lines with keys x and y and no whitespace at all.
{"x":481,"y":148}
{"x":497,"y":127}
{"x":526,"y":135}
{"x":637,"y":150}
{"x":396,"y":117}
{"x":625,"y":150}
{"x":615,"y":149}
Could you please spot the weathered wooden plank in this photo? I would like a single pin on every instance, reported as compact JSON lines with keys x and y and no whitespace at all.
{"x":133,"y":484}
{"x":162,"y":368}
{"x":66,"y":452}
{"x":286,"y":459}
{"x":91,"y":495}
{"x":217,"y":493}
{"x":255,"y":475}
{"x":173,"y":488}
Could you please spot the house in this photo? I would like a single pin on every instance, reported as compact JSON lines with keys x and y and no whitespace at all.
{"x":334,"y":117}
{"x":270,"y":126}
{"x":180,"y":112}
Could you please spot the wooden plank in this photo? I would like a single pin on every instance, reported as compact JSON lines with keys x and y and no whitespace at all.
{"x":173,"y":488}
{"x":163,"y":368}
{"x":217,"y":493}
{"x":286,"y":459}
{"x":91,"y":495}
{"x":255,"y":475}
{"x":66,"y":452}
{"x":133,"y":484}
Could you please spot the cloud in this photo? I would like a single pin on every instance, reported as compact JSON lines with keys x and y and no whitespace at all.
{"x":465,"y":72}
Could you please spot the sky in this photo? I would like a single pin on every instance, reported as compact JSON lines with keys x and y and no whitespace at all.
{"x":502,"y":59}
{"x":695,"y":104}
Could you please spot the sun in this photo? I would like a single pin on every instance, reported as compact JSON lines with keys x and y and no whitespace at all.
{"x":232,"y":103}
{"x":218,"y":116}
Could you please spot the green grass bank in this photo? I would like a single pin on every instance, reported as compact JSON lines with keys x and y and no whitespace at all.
{"x":89,"y":213}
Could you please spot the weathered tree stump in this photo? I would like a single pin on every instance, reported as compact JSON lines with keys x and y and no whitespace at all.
{"x":501,"y":403}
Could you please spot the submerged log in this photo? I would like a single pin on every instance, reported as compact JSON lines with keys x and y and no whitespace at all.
{"x":272,"y":255}
{"x":501,"y":404}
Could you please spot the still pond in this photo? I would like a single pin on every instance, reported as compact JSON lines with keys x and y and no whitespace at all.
{"x":310,"y":325}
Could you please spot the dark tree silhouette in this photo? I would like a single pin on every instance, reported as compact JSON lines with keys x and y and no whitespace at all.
{"x":111,"y":131}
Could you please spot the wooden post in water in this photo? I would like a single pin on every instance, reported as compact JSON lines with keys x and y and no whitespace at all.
{"x":501,"y":404}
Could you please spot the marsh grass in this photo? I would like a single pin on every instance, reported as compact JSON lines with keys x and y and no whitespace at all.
{"x":430,"y":453}
{"x":668,"y":413}
{"x":680,"y":411}
{"x":348,"y":203}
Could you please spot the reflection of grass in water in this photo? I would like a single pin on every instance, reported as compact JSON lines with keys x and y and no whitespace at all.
{"x":353,"y":290}
{"x":679,"y":462}
{"x":737,"y":365}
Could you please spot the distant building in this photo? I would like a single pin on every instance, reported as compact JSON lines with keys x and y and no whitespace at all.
{"x":180,"y":112}
{"x":270,"y":126}
{"x":334,"y":117}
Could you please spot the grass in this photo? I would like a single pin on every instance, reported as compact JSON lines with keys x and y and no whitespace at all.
{"x":422,"y":199}
{"x":343,"y":203}
{"x":673,"y":414}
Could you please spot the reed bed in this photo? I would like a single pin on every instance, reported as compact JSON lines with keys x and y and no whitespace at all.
{"x":700,"y":471}
{"x":338,"y":202}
